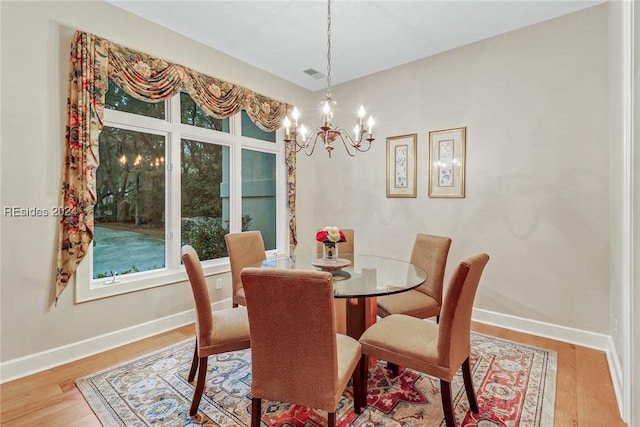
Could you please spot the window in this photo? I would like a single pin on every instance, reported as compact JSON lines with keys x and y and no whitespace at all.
{"x":191,"y":114}
{"x":170,"y":175}
{"x":205,"y":217}
{"x":130,"y":210}
{"x":251,"y":130}
{"x":259,"y":194}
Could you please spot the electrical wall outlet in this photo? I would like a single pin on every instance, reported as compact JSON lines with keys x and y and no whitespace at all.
{"x":615,"y":327}
{"x":218,"y":283}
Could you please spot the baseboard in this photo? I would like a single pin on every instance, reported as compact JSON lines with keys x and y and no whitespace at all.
{"x":38,"y":362}
{"x":548,"y":330}
{"x":615,"y":369}
{"x":580,"y":337}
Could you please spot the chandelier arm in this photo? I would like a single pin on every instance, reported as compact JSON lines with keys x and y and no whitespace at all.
{"x":313,"y":146}
{"x":294,"y":142}
{"x":297,"y":147}
{"x":356,"y":144}
{"x":304,"y":146}
{"x":364,"y":150}
{"x":292,"y":138}
{"x":298,"y":144}
{"x":346,"y":146}
{"x":352,"y":141}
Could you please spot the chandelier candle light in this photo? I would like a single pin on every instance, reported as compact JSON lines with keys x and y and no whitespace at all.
{"x":328,"y":132}
{"x":330,"y":237}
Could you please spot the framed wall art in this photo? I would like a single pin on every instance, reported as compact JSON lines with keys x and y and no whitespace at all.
{"x":447,"y":162}
{"x":401,"y":166}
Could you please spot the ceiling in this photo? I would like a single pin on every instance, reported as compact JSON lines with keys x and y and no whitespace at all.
{"x":287,"y":37}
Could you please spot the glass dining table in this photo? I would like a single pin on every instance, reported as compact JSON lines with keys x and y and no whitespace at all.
{"x":357,"y":281}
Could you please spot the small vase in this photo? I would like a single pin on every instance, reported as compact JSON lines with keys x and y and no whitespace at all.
{"x":330,"y":252}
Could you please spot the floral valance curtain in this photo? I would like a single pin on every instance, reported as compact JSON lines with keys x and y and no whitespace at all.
{"x":151,"y":79}
{"x":93,"y":61}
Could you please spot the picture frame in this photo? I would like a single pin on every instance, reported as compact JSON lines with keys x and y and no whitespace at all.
{"x":401,"y":165}
{"x":447,"y":152}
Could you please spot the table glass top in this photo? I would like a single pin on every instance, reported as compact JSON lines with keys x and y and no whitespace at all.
{"x":365,"y":275}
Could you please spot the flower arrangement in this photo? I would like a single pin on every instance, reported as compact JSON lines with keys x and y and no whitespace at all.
{"x":330,"y":235}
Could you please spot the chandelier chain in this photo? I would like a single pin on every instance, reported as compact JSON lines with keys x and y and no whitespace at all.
{"x":329,"y":48}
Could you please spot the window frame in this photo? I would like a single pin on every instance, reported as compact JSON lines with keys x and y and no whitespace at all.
{"x":87,"y":288}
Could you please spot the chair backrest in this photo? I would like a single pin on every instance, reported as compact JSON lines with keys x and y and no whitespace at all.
{"x":244,"y":249}
{"x":344,"y":247}
{"x":430,"y":253}
{"x":204,"y":317}
{"x":454,"y":343}
{"x":293,"y":336}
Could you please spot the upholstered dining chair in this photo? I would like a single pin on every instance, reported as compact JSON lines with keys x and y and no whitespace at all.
{"x":440,"y":349}
{"x":429,"y":253}
{"x":217,"y":331}
{"x":296,"y":354}
{"x":344,"y":247}
{"x":244,"y":249}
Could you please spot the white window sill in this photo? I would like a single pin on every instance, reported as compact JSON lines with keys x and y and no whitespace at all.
{"x":104,"y":287}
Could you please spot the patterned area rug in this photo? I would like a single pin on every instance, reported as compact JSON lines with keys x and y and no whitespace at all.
{"x":515,"y":386}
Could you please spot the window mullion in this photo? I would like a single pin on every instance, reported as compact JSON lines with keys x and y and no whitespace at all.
{"x":235,"y":188}
{"x":173,"y":199}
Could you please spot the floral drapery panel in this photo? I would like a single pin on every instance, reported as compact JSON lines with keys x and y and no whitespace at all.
{"x":149,"y":79}
{"x":85,"y":111}
{"x":290,"y":159}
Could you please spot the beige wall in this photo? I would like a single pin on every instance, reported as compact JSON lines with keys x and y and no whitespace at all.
{"x":535,"y":103}
{"x":35,"y":50}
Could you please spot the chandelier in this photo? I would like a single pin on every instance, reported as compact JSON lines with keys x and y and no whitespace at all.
{"x":327,"y":132}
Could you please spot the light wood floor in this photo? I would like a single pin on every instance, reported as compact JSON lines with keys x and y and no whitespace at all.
{"x":584,"y":393}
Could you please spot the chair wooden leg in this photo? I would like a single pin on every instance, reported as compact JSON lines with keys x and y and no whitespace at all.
{"x":447,"y":406}
{"x":357,"y":388}
{"x":468,"y":386}
{"x":364,"y":379}
{"x":360,"y":385}
{"x":197,"y":394}
{"x":194,"y":364}
{"x":331,"y":419}
{"x":256,"y":411}
{"x":395,"y":369}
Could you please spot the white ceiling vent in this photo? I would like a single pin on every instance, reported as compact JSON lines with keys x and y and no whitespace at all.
{"x":314,"y":73}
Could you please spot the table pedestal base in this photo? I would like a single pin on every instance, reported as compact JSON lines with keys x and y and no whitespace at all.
{"x":361,"y":313}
